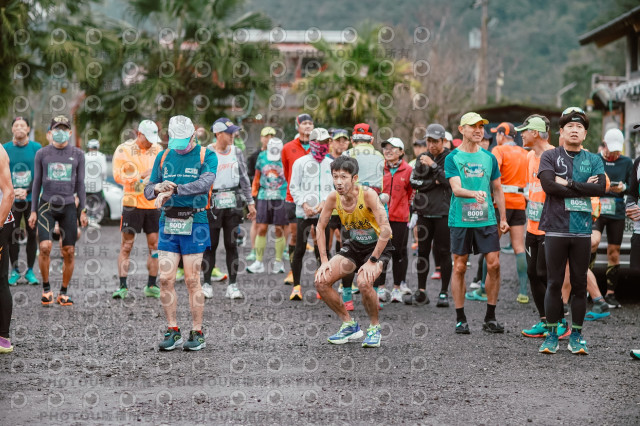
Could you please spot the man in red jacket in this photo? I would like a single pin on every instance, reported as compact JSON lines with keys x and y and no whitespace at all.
{"x":397,"y":184}
{"x":290,"y":153}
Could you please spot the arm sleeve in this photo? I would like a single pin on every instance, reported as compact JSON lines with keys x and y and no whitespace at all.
{"x":80,"y":189}
{"x":632,"y":196}
{"x":551,"y":187}
{"x":156,"y":177}
{"x":205,"y":181}
{"x":420,"y":176}
{"x":245,"y":183}
{"x":591,"y":189}
{"x":37,"y":181}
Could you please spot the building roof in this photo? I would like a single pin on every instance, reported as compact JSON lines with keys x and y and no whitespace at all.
{"x":614,"y":29}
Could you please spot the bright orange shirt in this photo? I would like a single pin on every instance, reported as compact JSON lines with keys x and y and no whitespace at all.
{"x":536,"y":194}
{"x":129,"y":162}
{"x":512,"y":160}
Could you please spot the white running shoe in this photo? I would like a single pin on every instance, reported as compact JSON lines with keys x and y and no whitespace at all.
{"x":207,"y":290}
{"x":383,"y":294}
{"x":404,"y":288}
{"x":396,"y":295}
{"x":475,"y":284}
{"x":256,"y":267}
{"x":233,"y":292}
{"x":278,"y":267}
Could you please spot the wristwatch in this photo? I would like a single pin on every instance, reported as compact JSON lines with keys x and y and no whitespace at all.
{"x":373,"y":259}
{"x":434,"y":165}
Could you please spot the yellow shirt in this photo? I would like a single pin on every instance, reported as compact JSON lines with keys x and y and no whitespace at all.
{"x":360,"y":223}
{"x":129,"y":162}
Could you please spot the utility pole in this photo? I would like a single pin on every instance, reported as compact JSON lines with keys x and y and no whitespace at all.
{"x":481,"y":84}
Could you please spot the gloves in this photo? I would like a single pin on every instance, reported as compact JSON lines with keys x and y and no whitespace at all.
{"x":413,"y":221}
{"x":161,"y":199}
{"x":164,"y":186}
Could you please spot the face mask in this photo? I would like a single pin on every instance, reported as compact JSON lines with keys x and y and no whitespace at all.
{"x":60,"y":136}
{"x":319,"y":151}
{"x":179,"y":145}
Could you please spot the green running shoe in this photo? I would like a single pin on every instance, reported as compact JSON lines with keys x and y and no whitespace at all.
{"x":635,"y":353}
{"x":373,"y":337}
{"x":563,"y":329}
{"x":252,"y":255}
{"x":120,"y":293}
{"x":349,"y":331}
{"x":31,"y":277}
{"x":217,"y":275}
{"x":476,"y":295}
{"x":152,"y":291}
{"x":195,"y":342}
{"x":537,"y":330}
{"x":172,"y":338}
{"x":180,"y":275}
{"x":577,"y":344}
{"x":550,"y":344}
{"x":14,"y":277}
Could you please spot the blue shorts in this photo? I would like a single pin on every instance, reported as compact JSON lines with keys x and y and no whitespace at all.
{"x":195,"y":243}
{"x":477,"y":240}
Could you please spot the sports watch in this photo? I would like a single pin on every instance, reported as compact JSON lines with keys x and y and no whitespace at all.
{"x":373,"y":259}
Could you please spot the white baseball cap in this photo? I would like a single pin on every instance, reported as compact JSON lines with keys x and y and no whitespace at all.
{"x":180,"y":128}
{"x":448,"y":136}
{"x":397,"y":142}
{"x":274,"y":149}
{"x":150,"y":130}
{"x":614,"y":140}
{"x":93,"y":144}
{"x":319,"y":134}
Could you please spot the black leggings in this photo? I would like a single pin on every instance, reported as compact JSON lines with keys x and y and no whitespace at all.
{"x":536,"y":269}
{"x":302,"y":235}
{"x":22,"y":209}
{"x":6,"y":301}
{"x":634,"y":258}
{"x":557,"y":250}
{"x":230,"y":247}
{"x":400,"y":234}
{"x":436,"y":231}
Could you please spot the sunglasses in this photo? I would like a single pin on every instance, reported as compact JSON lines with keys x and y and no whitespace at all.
{"x":573,"y":109}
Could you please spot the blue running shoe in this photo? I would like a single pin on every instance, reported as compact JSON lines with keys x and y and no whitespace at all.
{"x":348,"y":331}
{"x":373,"y":337}
{"x":476,"y":295}
{"x":563,"y":329}
{"x":195,"y":342}
{"x":550,"y":344}
{"x":172,"y":338}
{"x":14,"y":277}
{"x":537,"y":330}
{"x":635,"y":353}
{"x":577,"y":344}
{"x":594,"y":316}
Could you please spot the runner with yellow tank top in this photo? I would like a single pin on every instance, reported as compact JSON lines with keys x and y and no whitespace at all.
{"x":365,"y":252}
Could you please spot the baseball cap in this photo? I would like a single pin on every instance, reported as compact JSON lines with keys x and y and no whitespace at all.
{"x":93,"y":144}
{"x":224,"y":125}
{"x":448,"y":136}
{"x":362,"y":131}
{"x":397,"y":142}
{"x":59,"y":121}
{"x":420,"y":142}
{"x":180,"y":128}
{"x":506,"y":128}
{"x":487,"y":135}
{"x":533,"y":123}
{"x":574,"y":114}
{"x":25,"y":119}
{"x":267,"y":131}
{"x":319,"y":134}
{"x":302,"y":118}
{"x":471,"y":118}
{"x":274,"y":149}
{"x":340,"y":133}
{"x":150,"y":130}
{"x":614,"y":140}
{"x":456,"y":142}
{"x":435,"y":131}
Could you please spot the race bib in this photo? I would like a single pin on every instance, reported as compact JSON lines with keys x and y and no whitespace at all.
{"x":225,"y":200}
{"x":578,"y":205}
{"x":534,"y":210}
{"x":21,"y":179}
{"x":475,"y":212}
{"x":607,"y":205}
{"x":138,"y":187}
{"x":178,"y":226}
{"x":60,"y":172}
{"x":364,"y":236}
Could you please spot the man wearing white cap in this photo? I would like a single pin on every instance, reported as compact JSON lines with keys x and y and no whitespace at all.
{"x":95,"y":172}
{"x":180,"y":180}
{"x":132,"y":163}
{"x":612,"y":209}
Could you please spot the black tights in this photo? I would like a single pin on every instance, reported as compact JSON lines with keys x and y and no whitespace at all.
{"x":22,"y":209}
{"x":230,"y":247}
{"x":6,"y":301}
{"x":302,"y":235}
{"x":400,"y":234}
{"x":434,"y":230}
{"x":536,"y":269}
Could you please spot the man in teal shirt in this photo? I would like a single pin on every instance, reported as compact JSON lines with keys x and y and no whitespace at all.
{"x":22,"y":152}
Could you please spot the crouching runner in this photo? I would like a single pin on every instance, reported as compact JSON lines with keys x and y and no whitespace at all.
{"x":365,"y":252}
{"x":180,"y":182}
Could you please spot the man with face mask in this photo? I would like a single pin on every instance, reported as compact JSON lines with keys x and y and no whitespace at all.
{"x":59,"y":173}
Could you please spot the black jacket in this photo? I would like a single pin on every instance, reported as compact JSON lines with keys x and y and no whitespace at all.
{"x":433,"y":192}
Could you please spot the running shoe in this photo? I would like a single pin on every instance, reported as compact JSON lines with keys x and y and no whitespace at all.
{"x":550,"y":344}
{"x":285,"y":253}
{"x":309,"y":248}
{"x":635,"y":353}
{"x":349,"y":331}
{"x":563,"y":329}
{"x":348,"y":305}
{"x":172,"y":338}
{"x":195,"y":342}
{"x":493,"y":326}
{"x":538,"y":330}
{"x":64,"y":300}
{"x":216,"y":275}
{"x":252,"y":255}
{"x":256,"y":267}
{"x":383,"y":294}
{"x":233,"y":292}
{"x":475,"y":284}
{"x":207,"y":290}
{"x":289,"y":279}
{"x":151,"y":291}
{"x":565,"y":309}
{"x":414,"y":246}
{"x":577,"y":344}
{"x":507,"y":249}
{"x":31,"y":277}
{"x":599,"y":310}
{"x":462,"y":328}
{"x":278,"y":267}
{"x":180,"y":275}
{"x":396,"y":296}
{"x":340,"y":290}
{"x":443,"y":301}
{"x":612,"y":301}
{"x":418,"y":298}
{"x":318,"y":296}
{"x":14,"y":277}
{"x":120,"y":293}
{"x":373,"y":337}
{"x":476,"y":294}
{"x":354,"y":289}
{"x":296,"y":293}
{"x":5,"y":346}
{"x":47,"y":298}
{"x":436,"y":275}
{"x":523,"y":298}
{"x":404,"y":288}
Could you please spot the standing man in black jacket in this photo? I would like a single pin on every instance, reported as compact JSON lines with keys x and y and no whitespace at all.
{"x":431,"y":203}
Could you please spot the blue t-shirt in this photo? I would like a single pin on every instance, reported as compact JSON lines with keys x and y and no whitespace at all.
{"x":183,"y":169}
{"x":476,"y":171}
{"x":273,"y":185}
{"x":21,"y":164}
